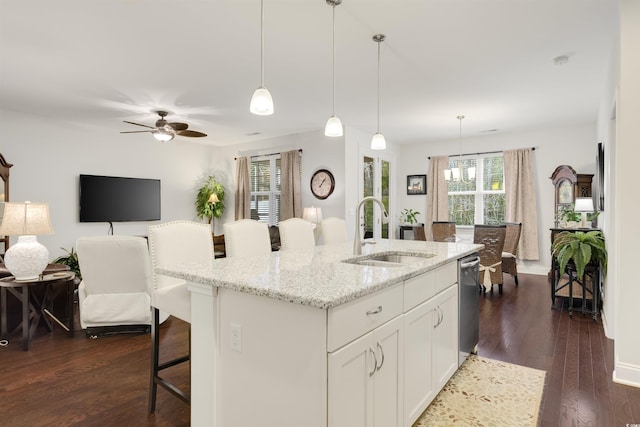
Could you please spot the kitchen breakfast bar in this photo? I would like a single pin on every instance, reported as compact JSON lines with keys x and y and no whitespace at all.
{"x":323,"y":338}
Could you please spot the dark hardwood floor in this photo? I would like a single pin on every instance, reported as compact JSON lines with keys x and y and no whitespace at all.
{"x":65,"y":381}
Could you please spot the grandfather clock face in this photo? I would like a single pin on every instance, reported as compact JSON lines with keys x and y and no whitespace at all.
{"x":565,"y":192}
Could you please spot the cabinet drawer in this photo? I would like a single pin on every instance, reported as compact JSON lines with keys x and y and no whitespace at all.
{"x":419,"y":289}
{"x":446,"y":276}
{"x":351,"y":320}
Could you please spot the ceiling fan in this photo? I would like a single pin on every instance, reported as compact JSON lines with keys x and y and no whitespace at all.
{"x":165,"y":131}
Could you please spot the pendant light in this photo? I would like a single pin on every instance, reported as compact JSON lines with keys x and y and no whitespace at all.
{"x":471,"y":171}
{"x":378,"y":142}
{"x":334,"y":124}
{"x":261,"y":101}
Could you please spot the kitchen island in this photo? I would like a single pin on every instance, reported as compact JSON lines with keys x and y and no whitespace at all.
{"x":307,"y":339}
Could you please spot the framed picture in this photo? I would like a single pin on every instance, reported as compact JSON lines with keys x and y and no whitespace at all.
{"x":416,"y":184}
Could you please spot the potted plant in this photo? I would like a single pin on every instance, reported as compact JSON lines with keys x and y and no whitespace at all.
{"x":409,"y":216}
{"x":71,"y":260}
{"x":210,"y":199}
{"x":580,"y":248}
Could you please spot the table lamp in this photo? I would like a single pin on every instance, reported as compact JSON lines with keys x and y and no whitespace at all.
{"x":584,"y":205}
{"x":313,"y":215}
{"x":28,"y":258}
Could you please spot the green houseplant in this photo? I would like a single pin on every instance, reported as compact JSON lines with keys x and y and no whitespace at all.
{"x":71,"y":260}
{"x":409,"y":216}
{"x":210,"y":199}
{"x":580,"y":248}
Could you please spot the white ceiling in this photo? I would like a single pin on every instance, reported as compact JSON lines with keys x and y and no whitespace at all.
{"x":97,"y":63}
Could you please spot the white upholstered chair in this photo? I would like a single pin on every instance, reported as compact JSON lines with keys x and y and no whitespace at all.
{"x":333,"y":230}
{"x":246,"y":238}
{"x":171,"y":243}
{"x":114,"y":295}
{"x":296,"y":233}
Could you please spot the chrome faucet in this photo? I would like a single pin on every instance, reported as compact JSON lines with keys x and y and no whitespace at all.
{"x":357,"y":241}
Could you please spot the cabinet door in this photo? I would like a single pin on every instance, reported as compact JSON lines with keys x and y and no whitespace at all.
{"x":351,"y":371}
{"x":388,"y":379}
{"x":419,"y":325}
{"x":445,"y":336}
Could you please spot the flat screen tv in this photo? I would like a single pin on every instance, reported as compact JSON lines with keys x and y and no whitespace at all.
{"x":118,"y":199}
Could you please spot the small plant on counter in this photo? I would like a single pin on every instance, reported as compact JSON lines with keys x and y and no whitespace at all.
{"x":409,"y":216}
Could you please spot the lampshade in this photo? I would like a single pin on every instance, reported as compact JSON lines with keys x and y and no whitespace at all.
{"x":27,"y":258}
{"x":312,"y":214}
{"x":333,"y":127}
{"x":261,"y":102}
{"x":163,"y":135}
{"x":584,"y":205}
{"x":213,"y":198}
{"x":378,"y":142}
{"x":447,"y":174}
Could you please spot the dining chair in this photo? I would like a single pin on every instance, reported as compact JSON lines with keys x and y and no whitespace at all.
{"x":333,"y":230}
{"x":510,"y":251}
{"x":114,"y":294}
{"x":173,"y":243}
{"x":443,"y":231}
{"x":246,"y":238}
{"x":295,"y":234}
{"x":492,"y":237}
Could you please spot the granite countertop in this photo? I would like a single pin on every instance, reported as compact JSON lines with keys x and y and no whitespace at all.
{"x":318,"y":278}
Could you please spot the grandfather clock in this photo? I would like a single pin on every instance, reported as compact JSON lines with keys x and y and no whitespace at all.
{"x":569,"y":185}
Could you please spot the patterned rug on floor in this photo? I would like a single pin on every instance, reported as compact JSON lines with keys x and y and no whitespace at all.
{"x":486,"y":392}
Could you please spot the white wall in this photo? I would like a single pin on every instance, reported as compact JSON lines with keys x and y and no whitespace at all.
{"x":575,"y":146}
{"x":627,"y":205}
{"x":49,"y":156}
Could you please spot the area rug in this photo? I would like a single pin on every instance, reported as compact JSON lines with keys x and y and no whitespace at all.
{"x":486,"y":392}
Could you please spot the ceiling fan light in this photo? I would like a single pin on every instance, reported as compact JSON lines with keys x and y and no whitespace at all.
{"x":163,"y":135}
{"x":333,"y":127}
{"x":261,"y":102}
{"x":378,"y":142}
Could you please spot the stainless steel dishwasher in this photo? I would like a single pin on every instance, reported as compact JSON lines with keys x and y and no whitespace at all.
{"x":468,"y":306}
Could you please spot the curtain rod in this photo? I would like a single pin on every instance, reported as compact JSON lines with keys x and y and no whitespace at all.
{"x":484,"y":152}
{"x":270,"y":154}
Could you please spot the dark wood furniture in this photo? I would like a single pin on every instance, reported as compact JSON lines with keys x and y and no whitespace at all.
{"x":567,"y":284}
{"x":569,"y":185}
{"x":415,"y":234}
{"x":5,"y":168}
{"x":32,"y":307}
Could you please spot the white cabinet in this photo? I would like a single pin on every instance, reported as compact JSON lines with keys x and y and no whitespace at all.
{"x":365,"y":379}
{"x":431,"y":350}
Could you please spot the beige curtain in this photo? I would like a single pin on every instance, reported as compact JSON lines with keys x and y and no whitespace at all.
{"x":437,"y":193}
{"x":520,"y":198}
{"x":290,"y":194}
{"x":243,"y":189}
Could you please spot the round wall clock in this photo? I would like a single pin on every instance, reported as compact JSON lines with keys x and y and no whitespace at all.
{"x":322,"y":183}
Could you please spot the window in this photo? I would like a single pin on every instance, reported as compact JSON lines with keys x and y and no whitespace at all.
{"x":265,"y":189}
{"x":479,"y":200}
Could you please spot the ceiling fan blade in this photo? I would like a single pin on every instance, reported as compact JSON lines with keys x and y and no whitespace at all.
{"x":138,"y":124}
{"x":178,"y":126}
{"x":191,"y":133}
{"x":137,"y":131}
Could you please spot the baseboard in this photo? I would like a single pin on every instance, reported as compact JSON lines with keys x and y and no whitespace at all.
{"x":624,"y":373}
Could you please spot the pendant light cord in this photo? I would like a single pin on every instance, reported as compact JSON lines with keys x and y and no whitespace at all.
{"x":333,"y":59}
{"x":262,"y":43}
{"x":379,"y":41}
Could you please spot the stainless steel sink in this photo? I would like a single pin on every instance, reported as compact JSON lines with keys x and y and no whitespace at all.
{"x":394,"y":259}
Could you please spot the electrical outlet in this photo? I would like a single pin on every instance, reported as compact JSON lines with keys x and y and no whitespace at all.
{"x":236,"y":337}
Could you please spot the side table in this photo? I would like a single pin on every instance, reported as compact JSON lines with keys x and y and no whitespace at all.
{"x":32,"y":309}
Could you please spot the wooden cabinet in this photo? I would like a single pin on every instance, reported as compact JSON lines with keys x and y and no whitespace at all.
{"x":431,"y":350}
{"x":365,"y":379}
